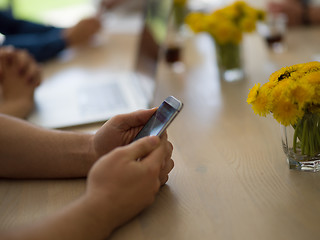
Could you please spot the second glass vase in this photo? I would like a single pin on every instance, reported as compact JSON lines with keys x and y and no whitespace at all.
{"x":229,"y":59}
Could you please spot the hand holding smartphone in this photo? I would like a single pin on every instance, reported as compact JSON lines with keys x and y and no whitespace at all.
{"x":161,"y":119}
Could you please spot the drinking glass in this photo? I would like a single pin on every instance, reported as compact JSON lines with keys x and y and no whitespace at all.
{"x":273,"y":30}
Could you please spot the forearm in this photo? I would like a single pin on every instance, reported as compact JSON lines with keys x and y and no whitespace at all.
{"x":77,"y":221}
{"x":42,"y":46}
{"x":27,"y":151}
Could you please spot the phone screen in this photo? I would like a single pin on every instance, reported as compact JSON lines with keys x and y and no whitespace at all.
{"x":158,"y":121}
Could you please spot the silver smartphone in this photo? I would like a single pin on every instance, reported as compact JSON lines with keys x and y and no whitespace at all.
{"x":161,"y":119}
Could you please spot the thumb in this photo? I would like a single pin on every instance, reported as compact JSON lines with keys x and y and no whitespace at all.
{"x":143,"y":146}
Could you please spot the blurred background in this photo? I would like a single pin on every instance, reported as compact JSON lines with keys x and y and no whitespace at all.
{"x":64,"y":13}
{"x":61,"y":13}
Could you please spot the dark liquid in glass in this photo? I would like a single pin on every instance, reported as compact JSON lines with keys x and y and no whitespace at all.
{"x":273,"y":39}
{"x":172,"y":54}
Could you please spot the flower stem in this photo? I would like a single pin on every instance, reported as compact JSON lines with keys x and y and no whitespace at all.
{"x":306,"y":135}
{"x":304,"y":138}
{"x":295,"y":136}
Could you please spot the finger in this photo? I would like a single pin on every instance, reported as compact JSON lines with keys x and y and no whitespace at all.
{"x":164,"y":179}
{"x":23,"y":61}
{"x":7,"y":55}
{"x":143,"y":147}
{"x":164,"y":135}
{"x":164,"y":172}
{"x":157,"y":157}
{"x":38,"y":78}
{"x":130,"y":120}
{"x":32,"y":73}
{"x":168,"y":166}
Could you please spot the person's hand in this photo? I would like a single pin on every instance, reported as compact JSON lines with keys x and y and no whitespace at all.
{"x":18,"y":65}
{"x":291,"y":8}
{"x":82,"y":32}
{"x":19,"y":76}
{"x":121,"y":129}
{"x":119,"y":186}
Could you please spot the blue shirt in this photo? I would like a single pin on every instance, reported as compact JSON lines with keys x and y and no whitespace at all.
{"x":41,"y":41}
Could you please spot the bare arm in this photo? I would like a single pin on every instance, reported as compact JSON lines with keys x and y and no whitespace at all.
{"x":76,"y":221}
{"x":119,"y":187}
{"x":27,"y":151}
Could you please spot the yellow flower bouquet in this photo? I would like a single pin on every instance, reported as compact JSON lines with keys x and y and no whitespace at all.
{"x":292,"y":96}
{"x":226,"y":26}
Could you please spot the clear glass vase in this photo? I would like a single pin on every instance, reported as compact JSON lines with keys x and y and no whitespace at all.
{"x":229,"y":59}
{"x":301,"y":143}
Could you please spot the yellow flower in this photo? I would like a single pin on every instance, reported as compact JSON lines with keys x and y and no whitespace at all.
{"x":196,"y":21}
{"x":286,"y":112}
{"x":211,"y":22}
{"x":250,"y":12}
{"x":227,"y":24}
{"x":261,"y":15}
{"x":284,"y":73}
{"x":262,"y":104}
{"x":231,"y":12}
{"x":269,"y":85}
{"x":252,"y":96}
{"x":224,"y":32}
{"x":313,"y":79}
{"x":310,"y":67}
{"x":301,"y":94}
{"x":293,"y":91}
{"x":274,"y":77}
{"x":247,"y":24}
{"x":279,"y":89}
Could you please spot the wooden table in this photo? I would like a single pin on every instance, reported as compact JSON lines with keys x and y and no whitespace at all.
{"x":231,"y":179}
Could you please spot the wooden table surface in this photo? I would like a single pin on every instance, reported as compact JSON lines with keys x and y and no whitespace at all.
{"x":231,"y":179}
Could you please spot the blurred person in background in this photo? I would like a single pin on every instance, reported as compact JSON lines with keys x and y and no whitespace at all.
{"x":298,"y":12}
{"x":45,"y":42}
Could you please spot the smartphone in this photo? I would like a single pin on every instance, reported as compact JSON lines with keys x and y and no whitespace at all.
{"x":161,"y":119}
